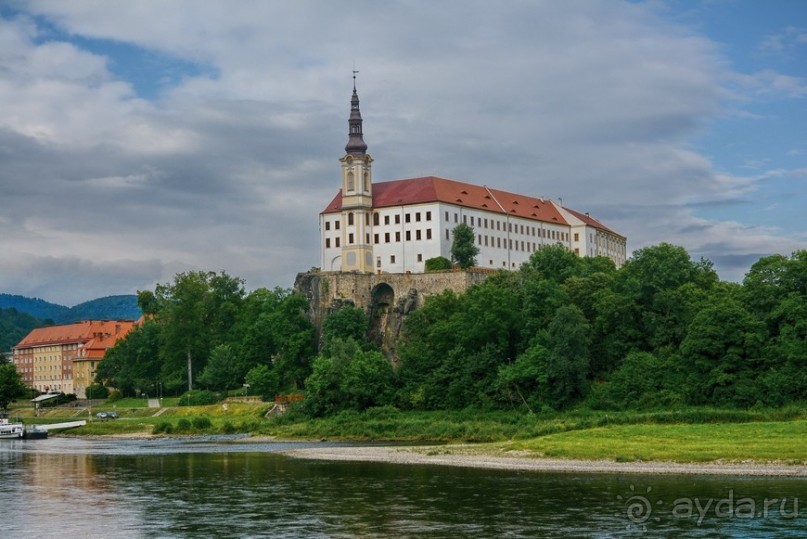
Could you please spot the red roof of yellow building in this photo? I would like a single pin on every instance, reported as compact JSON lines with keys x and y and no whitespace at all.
{"x":95,"y":335}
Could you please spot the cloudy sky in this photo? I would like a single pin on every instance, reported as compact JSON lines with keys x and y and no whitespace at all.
{"x":140,"y":139}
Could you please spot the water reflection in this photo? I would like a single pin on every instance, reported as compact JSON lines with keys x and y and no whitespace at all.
{"x":225,"y":488}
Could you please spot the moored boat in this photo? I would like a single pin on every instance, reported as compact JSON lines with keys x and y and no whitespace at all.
{"x":11,"y":430}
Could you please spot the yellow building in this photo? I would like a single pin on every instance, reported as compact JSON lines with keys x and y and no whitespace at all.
{"x":64,"y":358}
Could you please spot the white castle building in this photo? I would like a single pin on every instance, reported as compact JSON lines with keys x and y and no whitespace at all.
{"x":395,"y":226}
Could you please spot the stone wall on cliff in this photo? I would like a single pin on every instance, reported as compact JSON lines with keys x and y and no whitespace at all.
{"x":386,"y":298}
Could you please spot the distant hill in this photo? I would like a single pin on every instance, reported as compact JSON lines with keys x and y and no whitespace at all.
{"x":15,"y":325}
{"x":108,"y":308}
{"x":38,"y":308}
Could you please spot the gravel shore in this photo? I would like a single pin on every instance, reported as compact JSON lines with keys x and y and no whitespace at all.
{"x":467,"y":456}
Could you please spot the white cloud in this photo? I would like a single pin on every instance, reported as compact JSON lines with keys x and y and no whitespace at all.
{"x":228,"y":167}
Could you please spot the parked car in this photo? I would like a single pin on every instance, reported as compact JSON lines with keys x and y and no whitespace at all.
{"x":107,"y":415}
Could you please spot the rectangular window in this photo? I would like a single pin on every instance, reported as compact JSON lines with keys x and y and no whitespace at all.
{"x":386,"y":237}
{"x":486,"y":222}
{"x":420,"y":257}
{"x":455,"y":218}
{"x":327,"y":225}
{"x":375,"y":238}
{"x":375,"y":218}
{"x":486,"y":241}
{"x":472,"y":220}
{"x":386,"y":219}
{"x":447,"y":235}
{"x":397,"y":218}
{"x":576,"y":236}
{"x":479,"y":239}
{"x":336,"y":242}
{"x":498,"y":225}
{"x":417,"y":217}
{"x":350,"y":239}
{"x":446,"y":216}
{"x":392,"y":259}
{"x":408,"y":218}
{"x":397,"y":236}
{"x":336,"y":225}
{"x":417,"y":235}
{"x":465,"y":219}
{"x":499,"y":243}
{"x":408,"y":235}
{"x":428,"y":216}
{"x":428,"y":233}
{"x":367,"y":219}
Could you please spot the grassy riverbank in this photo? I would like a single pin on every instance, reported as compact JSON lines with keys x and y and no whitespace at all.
{"x":687,"y":435}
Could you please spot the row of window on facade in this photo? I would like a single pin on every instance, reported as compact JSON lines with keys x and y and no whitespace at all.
{"x":377,"y":219}
{"x":351,"y":239}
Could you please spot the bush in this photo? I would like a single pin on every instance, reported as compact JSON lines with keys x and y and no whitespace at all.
{"x":163,"y":427}
{"x":228,"y":428}
{"x":198,"y":398}
{"x":114,"y":395}
{"x":97,"y":391}
{"x":439,"y":263}
{"x":183,"y":425}
{"x":201,"y":423}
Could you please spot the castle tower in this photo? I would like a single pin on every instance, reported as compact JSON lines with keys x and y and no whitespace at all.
{"x":357,"y":196}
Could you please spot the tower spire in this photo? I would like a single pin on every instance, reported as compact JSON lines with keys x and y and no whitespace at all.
{"x":355,"y":144}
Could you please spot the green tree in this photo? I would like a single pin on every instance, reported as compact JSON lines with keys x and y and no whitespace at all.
{"x":347,"y":322}
{"x":525,"y":380}
{"x":11,"y":385}
{"x":722,"y":354}
{"x":350,"y":379}
{"x":224,"y":370}
{"x":567,"y":361}
{"x":463,"y":248}
{"x":133,"y":364}
{"x":263,"y":381}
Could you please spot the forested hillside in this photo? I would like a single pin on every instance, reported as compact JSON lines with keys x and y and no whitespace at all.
{"x":662,"y":331}
{"x":15,"y":325}
{"x":122,"y":307}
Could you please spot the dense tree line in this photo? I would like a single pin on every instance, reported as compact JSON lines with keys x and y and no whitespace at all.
{"x":661,"y":331}
{"x":229,"y":338}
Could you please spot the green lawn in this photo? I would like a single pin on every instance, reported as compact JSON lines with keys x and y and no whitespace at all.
{"x":768,"y":441}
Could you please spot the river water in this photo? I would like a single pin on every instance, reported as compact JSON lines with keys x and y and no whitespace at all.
{"x":227,"y":487}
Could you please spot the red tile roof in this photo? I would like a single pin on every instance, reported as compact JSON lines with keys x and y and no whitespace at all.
{"x":590,"y":221}
{"x":102,"y":334}
{"x":433,"y":189}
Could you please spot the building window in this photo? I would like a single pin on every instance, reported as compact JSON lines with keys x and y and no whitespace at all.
{"x":408,"y":218}
{"x":486,"y":222}
{"x":350,"y":182}
{"x":386,"y":237}
{"x":465,"y":219}
{"x":337,"y":224}
{"x":446,"y":216}
{"x":392,"y":259}
{"x":472,"y":220}
{"x":498,"y":243}
{"x":375,"y":218}
{"x":397,"y":218}
{"x":350,"y":219}
{"x":408,"y":235}
{"x":375,"y":238}
{"x":456,"y":218}
{"x":447,"y":235}
{"x":417,"y":217}
{"x":428,"y":233}
{"x":327,"y":225}
{"x":417,"y":235}
{"x":378,"y":262}
{"x":479,"y":239}
{"x":428,"y":216}
{"x":327,"y":243}
{"x":336,"y":242}
{"x":420,"y":257}
{"x":386,"y":219}
{"x":397,"y":236}
{"x":350,"y":239}
{"x":576,"y":236}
